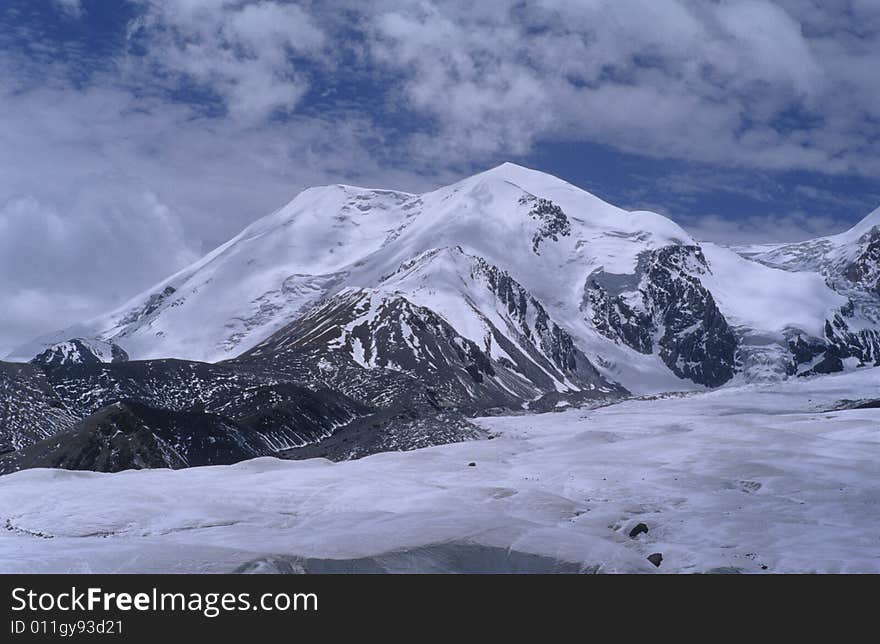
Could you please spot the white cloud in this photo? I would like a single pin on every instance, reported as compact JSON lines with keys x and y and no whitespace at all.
{"x":754,"y":83}
{"x":241,"y":51}
{"x":72,"y":8}
{"x":58,"y":265}
{"x":708,"y":82}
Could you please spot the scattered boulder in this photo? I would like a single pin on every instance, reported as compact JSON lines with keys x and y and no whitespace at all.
{"x":640,"y":528}
{"x":655,"y":558}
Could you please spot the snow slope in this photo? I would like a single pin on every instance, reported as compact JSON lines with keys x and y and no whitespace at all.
{"x":256,"y":282}
{"x":757,"y":296}
{"x":741,"y":479}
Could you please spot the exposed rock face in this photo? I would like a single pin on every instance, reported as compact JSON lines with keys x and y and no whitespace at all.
{"x":830,"y":363}
{"x":805,"y":349}
{"x":664,"y":308}
{"x":862,"y":344}
{"x":378,"y":346}
{"x":534,"y":326}
{"x":864,"y":271}
{"x":130,"y":435}
{"x":153,"y":302}
{"x":288,"y":415}
{"x":554,"y":223}
{"x":30,"y":409}
{"x":47,"y":403}
{"x":387,"y":351}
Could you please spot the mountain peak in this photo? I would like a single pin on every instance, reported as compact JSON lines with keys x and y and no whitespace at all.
{"x":509,"y":166}
{"x":515,"y":173}
{"x":511,"y":180}
{"x":868,"y":222}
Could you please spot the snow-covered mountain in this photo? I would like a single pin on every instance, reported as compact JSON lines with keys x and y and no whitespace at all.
{"x":519,"y":285}
{"x":445,"y":318}
{"x":80,"y":351}
{"x":356,"y":321}
{"x":849,"y":263}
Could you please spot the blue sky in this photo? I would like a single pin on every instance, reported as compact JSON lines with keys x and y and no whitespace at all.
{"x":136,"y":135}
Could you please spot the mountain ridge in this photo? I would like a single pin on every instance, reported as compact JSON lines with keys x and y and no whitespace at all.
{"x":556,"y":241}
{"x":357,"y":320}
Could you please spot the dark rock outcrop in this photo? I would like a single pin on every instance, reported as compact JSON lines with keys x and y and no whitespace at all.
{"x":39,"y":403}
{"x":864,"y":270}
{"x":664,"y":308}
{"x":130,"y":435}
{"x":379,"y":347}
{"x":554,"y":223}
